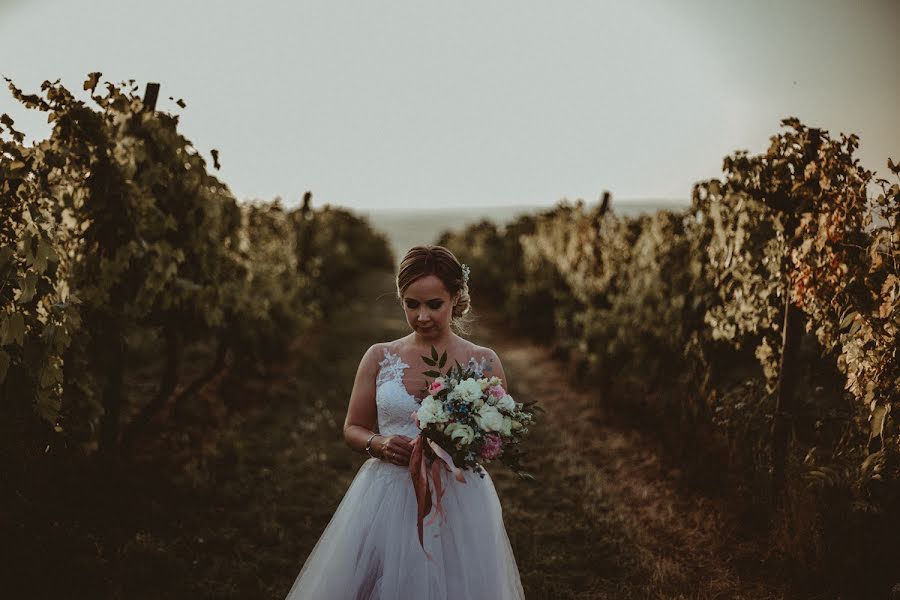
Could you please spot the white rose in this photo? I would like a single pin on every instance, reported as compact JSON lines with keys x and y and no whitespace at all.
{"x":468,"y":390}
{"x":489,"y":418}
{"x":506,"y":403}
{"x":506,"y":428}
{"x":431,"y":411}
{"x":432,"y":404}
{"x":463,"y":434}
{"x":425,"y":417}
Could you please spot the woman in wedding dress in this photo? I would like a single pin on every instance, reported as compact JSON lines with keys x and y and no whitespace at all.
{"x":370,"y":549}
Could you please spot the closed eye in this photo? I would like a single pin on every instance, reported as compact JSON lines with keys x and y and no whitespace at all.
{"x":432,"y":304}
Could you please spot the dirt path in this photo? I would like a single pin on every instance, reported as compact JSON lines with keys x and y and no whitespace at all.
{"x":602,"y":521}
{"x":681,"y":544}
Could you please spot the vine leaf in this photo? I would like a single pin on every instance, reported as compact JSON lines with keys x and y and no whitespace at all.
{"x":90,"y":84}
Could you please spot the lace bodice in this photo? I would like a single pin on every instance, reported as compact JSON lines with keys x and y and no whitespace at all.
{"x":395,"y":403}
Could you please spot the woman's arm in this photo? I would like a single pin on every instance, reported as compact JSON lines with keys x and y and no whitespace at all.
{"x":362,"y":413}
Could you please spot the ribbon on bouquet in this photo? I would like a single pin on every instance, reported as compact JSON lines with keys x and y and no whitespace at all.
{"x":421,"y":473}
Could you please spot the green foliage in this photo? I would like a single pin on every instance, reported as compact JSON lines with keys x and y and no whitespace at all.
{"x":112,"y":230}
{"x":678,"y":316}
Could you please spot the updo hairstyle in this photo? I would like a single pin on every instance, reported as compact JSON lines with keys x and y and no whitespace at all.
{"x":439,"y":261}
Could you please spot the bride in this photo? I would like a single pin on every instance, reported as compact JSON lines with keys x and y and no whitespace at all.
{"x":370,"y":549}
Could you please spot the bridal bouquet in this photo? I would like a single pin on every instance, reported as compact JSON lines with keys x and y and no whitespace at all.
{"x":465,"y":419}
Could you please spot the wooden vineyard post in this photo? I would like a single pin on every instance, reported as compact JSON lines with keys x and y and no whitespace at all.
{"x":304,"y":234}
{"x":114,"y":336}
{"x":604,"y":202}
{"x":784,"y":403}
{"x":791,"y":333}
{"x":151,"y":93}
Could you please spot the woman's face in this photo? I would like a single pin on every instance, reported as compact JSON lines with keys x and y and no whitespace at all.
{"x":428,"y":306}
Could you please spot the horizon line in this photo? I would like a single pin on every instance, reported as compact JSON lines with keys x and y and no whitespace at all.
{"x":631,"y":200}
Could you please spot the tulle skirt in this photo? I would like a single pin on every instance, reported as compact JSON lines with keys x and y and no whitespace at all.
{"x":370,"y":549}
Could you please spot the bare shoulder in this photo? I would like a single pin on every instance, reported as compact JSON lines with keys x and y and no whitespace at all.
{"x":483,"y":352}
{"x":491,"y":360}
{"x":373,"y":356}
{"x":399,"y":344}
{"x":377,"y":352}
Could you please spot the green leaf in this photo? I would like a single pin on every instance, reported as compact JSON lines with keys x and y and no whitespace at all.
{"x":44,"y":251}
{"x":443,"y":360}
{"x":47,"y":406}
{"x":428,"y":361}
{"x":5,"y":254}
{"x":91,"y":82}
{"x":27,"y":285}
{"x":845,"y":322}
{"x":434,"y":354}
{"x":877,"y":419}
{"x":16,"y":329}
{"x":432,"y":374}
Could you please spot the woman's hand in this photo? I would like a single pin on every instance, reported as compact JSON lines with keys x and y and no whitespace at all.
{"x":395,"y":449}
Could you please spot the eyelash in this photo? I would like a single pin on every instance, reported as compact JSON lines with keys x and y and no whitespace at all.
{"x":434,"y":306}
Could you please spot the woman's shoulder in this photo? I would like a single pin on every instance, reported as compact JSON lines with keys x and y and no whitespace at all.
{"x":379,"y":351}
{"x":482,"y":355}
{"x":392,"y":346}
{"x":487,"y":359}
{"x":479,"y":351}
{"x":375,"y":355}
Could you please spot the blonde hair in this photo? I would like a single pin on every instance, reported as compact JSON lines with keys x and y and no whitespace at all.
{"x":420,"y":261}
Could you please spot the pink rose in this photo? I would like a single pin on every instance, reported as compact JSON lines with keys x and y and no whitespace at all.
{"x":497,"y":391}
{"x":491,"y":446}
{"x":436,"y":386}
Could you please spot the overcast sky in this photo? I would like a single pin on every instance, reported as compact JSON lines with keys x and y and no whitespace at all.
{"x":407,"y":103}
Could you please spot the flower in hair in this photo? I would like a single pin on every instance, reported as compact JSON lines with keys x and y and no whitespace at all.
{"x":465,"y":271}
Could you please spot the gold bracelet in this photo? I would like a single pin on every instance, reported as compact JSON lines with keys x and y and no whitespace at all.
{"x":369,"y":445}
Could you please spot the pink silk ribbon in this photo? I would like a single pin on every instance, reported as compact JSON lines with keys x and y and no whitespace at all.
{"x":420,"y":472}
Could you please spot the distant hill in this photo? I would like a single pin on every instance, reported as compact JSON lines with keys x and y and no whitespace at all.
{"x":406,"y":228}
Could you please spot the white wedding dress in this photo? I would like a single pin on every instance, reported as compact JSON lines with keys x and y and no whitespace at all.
{"x":370,"y":549}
